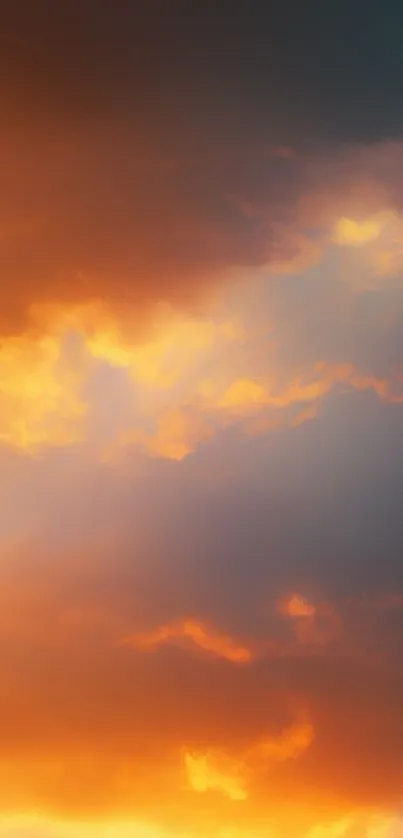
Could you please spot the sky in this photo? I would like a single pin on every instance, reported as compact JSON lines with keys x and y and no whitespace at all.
{"x":201,"y":414}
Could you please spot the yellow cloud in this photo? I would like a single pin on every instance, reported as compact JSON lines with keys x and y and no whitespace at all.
{"x":349,"y":232}
{"x":40,"y":401}
{"x":216,"y":771}
{"x":243,"y":393}
{"x":175,"y":406}
{"x":213,"y":771}
{"x":158,"y":356}
{"x":165,"y":355}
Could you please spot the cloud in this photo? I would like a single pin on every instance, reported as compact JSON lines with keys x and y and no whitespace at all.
{"x":41,"y":402}
{"x":178,"y":387}
{"x":169,"y":269}
{"x":212,"y":772}
{"x":200,"y":423}
{"x":291,"y":744}
{"x":350,"y":232}
{"x":297,"y":606}
{"x":205,"y":639}
{"x":218,"y":772}
{"x":65,"y":610}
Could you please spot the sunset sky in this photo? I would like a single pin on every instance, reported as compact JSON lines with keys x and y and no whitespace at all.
{"x":201,"y":419}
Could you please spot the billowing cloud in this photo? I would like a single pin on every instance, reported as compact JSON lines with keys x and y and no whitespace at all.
{"x":215,"y":771}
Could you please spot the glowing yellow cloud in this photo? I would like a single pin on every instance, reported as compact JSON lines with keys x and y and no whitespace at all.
{"x":206,"y":639}
{"x":213,"y":771}
{"x":175,"y":405}
{"x":216,"y":771}
{"x":40,"y":401}
{"x":381,"y":238}
{"x":159,"y":356}
{"x":163,"y":356}
{"x":243,"y":393}
{"x":352,"y":233}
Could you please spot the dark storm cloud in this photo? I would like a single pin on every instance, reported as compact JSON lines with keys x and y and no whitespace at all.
{"x":300,"y":71}
{"x":143,"y":147}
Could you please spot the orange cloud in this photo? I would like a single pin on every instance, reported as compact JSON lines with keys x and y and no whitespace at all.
{"x":311,"y":387}
{"x":108,"y":728}
{"x":179,"y":432}
{"x":314,"y":626}
{"x":216,"y":771}
{"x":297,"y":606}
{"x":174,"y":406}
{"x":290,"y":744}
{"x":203,"y":638}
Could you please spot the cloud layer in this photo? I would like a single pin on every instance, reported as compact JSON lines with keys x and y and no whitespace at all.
{"x":201,"y":403}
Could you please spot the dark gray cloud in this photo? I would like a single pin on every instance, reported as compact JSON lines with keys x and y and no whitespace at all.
{"x":297,"y":71}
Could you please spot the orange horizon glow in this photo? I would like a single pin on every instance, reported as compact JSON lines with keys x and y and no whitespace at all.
{"x":370,"y":826}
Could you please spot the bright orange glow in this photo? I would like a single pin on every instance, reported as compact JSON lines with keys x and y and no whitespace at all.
{"x":347,"y":826}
